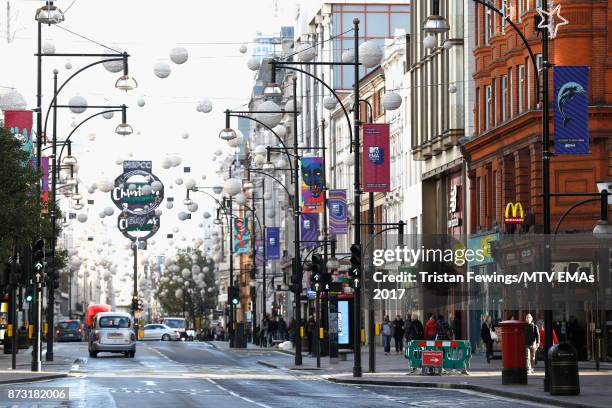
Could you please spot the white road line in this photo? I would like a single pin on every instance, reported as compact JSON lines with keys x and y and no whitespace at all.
{"x":152,"y":383}
{"x":232,"y":393}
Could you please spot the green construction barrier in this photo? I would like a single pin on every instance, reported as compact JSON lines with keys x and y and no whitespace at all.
{"x":456,"y":353}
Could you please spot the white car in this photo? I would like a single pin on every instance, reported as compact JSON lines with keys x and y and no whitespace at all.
{"x":179,"y":325}
{"x":112,"y":332}
{"x":159,"y":332}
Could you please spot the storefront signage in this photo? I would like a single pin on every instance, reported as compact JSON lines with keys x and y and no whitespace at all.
{"x":514,"y":213}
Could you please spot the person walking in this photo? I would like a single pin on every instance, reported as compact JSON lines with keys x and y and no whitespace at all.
{"x":431,"y":328}
{"x":532,"y":341}
{"x":272,"y":330}
{"x":485,"y":335}
{"x":265,"y":324}
{"x":310,"y":333}
{"x":414,"y":331}
{"x":282,"y":329}
{"x":387,"y":331}
{"x":442,"y":330}
{"x":398,"y":334}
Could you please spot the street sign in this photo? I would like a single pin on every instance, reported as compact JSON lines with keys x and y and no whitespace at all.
{"x":432,"y":358}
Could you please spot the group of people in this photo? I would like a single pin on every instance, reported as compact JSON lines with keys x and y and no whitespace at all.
{"x":411,"y":328}
{"x":272,"y":328}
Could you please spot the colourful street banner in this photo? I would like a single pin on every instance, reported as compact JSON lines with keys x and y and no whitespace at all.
{"x":376,"y":172}
{"x":310,"y":229}
{"x":259,"y":258}
{"x":241,"y":236}
{"x":337,"y":210}
{"x":571,"y":109}
{"x":273,"y":243}
{"x":312,"y":184}
{"x":19,"y":123}
{"x":44,"y":180}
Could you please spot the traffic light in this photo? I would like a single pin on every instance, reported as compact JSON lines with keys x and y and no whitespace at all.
{"x":140,"y":305}
{"x":233,"y":294}
{"x":29,"y":295}
{"x":38,"y":256}
{"x":317,"y":272}
{"x":356,"y":260}
{"x":134,"y":303}
{"x":296,"y":277}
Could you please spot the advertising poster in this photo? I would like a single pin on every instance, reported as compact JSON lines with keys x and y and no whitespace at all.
{"x":376,"y":172}
{"x":273,"y":243}
{"x":313,"y":184}
{"x":338,"y":211}
{"x":309,"y":229}
{"x":344,"y":333}
{"x":571,"y":109}
{"x":19,"y":123}
{"x":241,"y":235}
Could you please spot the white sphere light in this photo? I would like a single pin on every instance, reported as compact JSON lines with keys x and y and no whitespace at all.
{"x":166,"y":163}
{"x":349,"y":159}
{"x":186,"y":273}
{"x":141,"y":102}
{"x":178,"y":293}
{"x":452,"y":88}
{"x":82,"y":217}
{"x":289,"y":107}
{"x":91,"y":137}
{"x":176,"y":160}
{"x":68,"y":65}
{"x":48,"y":48}
{"x":391,"y":100}
{"x":158,"y":212}
{"x":330,"y":102}
{"x":108,"y":115}
{"x":370,"y":54}
{"x":179,"y":55}
{"x":306,"y":52}
{"x":348,"y":56}
{"x":430,"y":41}
{"x":77,"y":104}
{"x":205,"y":106}
{"x":185,"y":135}
{"x":12,"y":100}
{"x":113,"y":66}
{"x":179,"y":181}
{"x":108,"y":211}
{"x":190,"y":184}
{"x":243,"y":49}
{"x":269,"y":119}
{"x":240,"y":199}
{"x":280,"y":130}
{"x":169,"y":205}
{"x":232,"y":186}
{"x":156,"y":185}
{"x":253,"y":64}
{"x":193,"y":207}
{"x":146,"y":189}
{"x":237,"y":141}
{"x":162,"y":70}
{"x":217,"y":189}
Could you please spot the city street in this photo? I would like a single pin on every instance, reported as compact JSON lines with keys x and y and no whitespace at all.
{"x":187,"y":374}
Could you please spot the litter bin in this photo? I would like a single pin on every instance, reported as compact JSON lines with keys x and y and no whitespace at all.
{"x":563,"y":370}
{"x":240,"y":338}
{"x":22,"y":338}
{"x":514,"y":357}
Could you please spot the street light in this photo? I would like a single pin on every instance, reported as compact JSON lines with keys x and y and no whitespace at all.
{"x":49,"y":14}
{"x":125,"y":81}
{"x":123,"y":129}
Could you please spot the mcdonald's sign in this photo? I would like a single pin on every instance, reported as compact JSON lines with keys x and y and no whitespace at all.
{"x":514,"y":213}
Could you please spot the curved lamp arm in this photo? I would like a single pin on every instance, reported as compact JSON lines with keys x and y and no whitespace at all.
{"x":277,"y":180}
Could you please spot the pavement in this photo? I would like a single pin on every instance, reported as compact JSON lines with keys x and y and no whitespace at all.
{"x":210,"y":374}
{"x":392,"y":370}
{"x":57,"y":368}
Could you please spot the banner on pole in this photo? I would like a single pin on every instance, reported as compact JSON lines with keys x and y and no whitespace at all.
{"x":313,"y":185}
{"x":571,"y":109}
{"x":376,"y":171}
{"x":273,"y":243}
{"x":19,"y":123}
{"x":338,"y":211}
{"x":259,"y":258}
{"x":241,"y":235}
{"x":310,"y":229}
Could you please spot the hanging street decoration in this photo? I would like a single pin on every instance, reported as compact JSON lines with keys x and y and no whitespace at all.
{"x":313,"y":184}
{"x":571,"y":109}
{"x":376,"y":173}
{"x":338,"y":212}
{"x":137,"y":200}
{"x":241,"y":235}
{"x":551,"y":20}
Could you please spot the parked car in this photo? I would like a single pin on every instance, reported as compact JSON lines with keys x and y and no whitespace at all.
{"x":112,"y":332}
{"x":179,"y":325}
{"x":69,"y":330}
{"x":159,"y":332}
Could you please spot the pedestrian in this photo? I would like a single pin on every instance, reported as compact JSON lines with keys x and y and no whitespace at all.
{"x":442,"y":330}
{"x":272,"y":329}
{"x":398,"y":334}
{"x":387,"y":331}
{"x":282,"y":328}
{"x":415,"y":330}
{"x":431,"y":328}
{"x":487,"y":339}
{"x":310,"y":333}
{"x":532,"y":340}
{"x":265,"y":324}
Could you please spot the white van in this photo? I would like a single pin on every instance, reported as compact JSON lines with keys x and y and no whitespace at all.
{"x":179,"y":325}
{"x":112,"y":332}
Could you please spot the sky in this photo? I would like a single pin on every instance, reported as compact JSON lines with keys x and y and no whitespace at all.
{"x":211,"y":31}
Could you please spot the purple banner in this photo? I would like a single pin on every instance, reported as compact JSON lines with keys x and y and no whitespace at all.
{"x":571,"y":109}
{"x":336,"y":205}
{"x":310,"y":229}
{"x":313,"y":195}
{"x":259,"y":259}
{"x":273,"y":243}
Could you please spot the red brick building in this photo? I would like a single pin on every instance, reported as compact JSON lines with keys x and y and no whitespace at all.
{"x":505,"y":152}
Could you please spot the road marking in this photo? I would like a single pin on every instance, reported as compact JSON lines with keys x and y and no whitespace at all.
{"x":152,"y":383}
{"x":232,"y":393}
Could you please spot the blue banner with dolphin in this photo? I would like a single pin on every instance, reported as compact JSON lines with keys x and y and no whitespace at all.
{"x":571,"y":109}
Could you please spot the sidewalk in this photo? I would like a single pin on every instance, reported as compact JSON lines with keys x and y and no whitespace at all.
{"x":392,"y":370}
{"x":53,"y":369}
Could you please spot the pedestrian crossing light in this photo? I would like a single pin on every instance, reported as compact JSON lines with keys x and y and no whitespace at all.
{"x":355,"y":264}
{"x":234,"y":295}
{"x":38,"y":255}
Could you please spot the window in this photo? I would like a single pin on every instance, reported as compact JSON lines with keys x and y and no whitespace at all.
{"x":487,"y":106}
{"x":488,"y":25}
{"x":477,"y":110}
{"x":478,"y":195}
{"x":494,"y":102}
{"x":528,"y":85}
{"x":494,"y":197}
{"x":521,"y":88}
{"x":504,"y":6}
{"x":504,"y":98}
{"x":114,"y":322}
{"x":510,"y":94}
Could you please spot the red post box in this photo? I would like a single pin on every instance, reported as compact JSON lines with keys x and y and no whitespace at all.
{"x":514,"y":358}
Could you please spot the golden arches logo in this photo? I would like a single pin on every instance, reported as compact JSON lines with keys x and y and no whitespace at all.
{"x":518,"y":215}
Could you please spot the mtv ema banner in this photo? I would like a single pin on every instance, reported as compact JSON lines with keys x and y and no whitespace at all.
{"x":273,"y":243}
{"x":376,"y":171}
{"x":241,"y":235}
{"x":571,"y":109}
{"x":312,"y":184}
{"x":337,"y":210}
